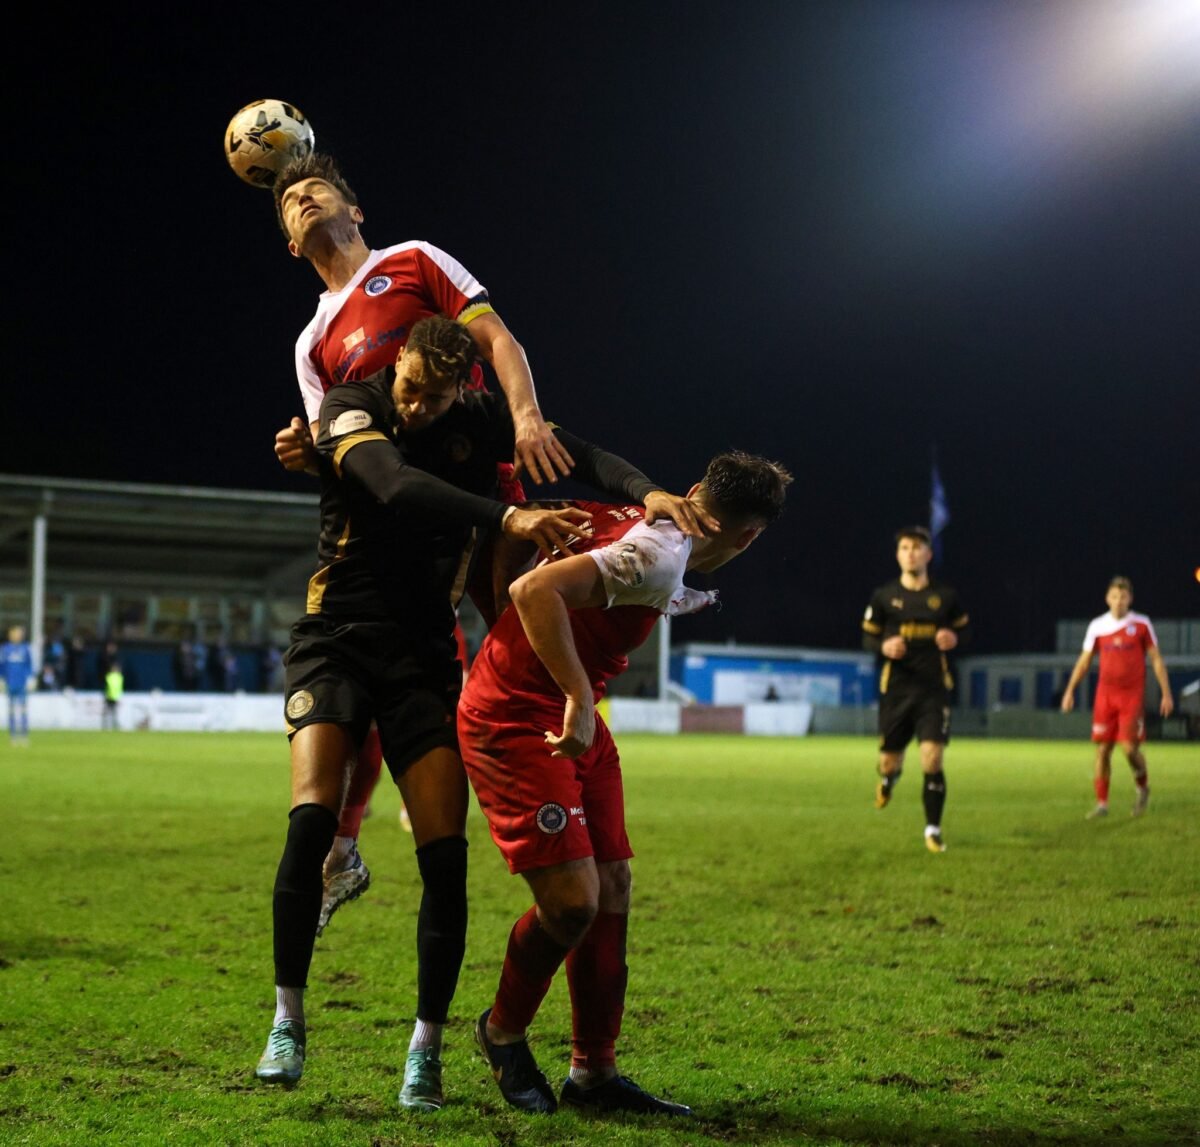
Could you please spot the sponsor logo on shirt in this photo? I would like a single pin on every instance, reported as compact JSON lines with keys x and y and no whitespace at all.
{"x":342,"y":371}
{"x":349,"y":421}
{"x":377,"y":284}
{"x":352,"y":340}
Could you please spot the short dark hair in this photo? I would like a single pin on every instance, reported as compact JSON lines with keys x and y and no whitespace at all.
{"x":917,"y":533}
{"x":315,"y":165}
{"x":745,"y":486}
{"x":1121,"y":583}
{"x":446,"y":346}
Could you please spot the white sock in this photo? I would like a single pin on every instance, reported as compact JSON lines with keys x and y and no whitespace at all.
{"x":930,"y":829}
{"x":426,"y":1037}
{"x":289,"y":1004}
{"x":585,"y":1077}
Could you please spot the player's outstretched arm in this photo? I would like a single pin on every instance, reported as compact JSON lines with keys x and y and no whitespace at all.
{"x":538,"y":453}
{"x":613,"y":475}
{"x":1077,"y":674}
{"x":378,"y":467}
{"x":1167,"y":704}
{"x":543,"y":599}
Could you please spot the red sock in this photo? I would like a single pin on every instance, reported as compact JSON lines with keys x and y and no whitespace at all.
{"x":597,"y":975}
{"x":362,"y":784}
{"x":1102,"y":790}
{"x":532,"y":958}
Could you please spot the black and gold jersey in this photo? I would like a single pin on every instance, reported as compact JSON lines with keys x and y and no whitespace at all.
{"x":916,"y":615}
{"x":393,"y":541}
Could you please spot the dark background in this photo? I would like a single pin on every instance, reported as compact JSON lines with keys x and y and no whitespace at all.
{"x":841,"y":234}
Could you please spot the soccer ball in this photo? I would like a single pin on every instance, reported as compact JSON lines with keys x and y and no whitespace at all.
{"x":263,"y":137}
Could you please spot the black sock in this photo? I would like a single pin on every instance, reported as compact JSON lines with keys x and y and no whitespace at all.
{"x":934,"y":796}
{"x":441,"y":925}
{"x":297,"y":900}
{"x":889,"y":781}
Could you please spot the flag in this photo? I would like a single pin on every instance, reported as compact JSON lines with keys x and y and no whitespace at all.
{"x":939,"y":511}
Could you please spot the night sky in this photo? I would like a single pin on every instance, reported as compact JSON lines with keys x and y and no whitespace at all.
{"x":842,"y":234}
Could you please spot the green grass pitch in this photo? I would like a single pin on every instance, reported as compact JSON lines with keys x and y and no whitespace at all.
{"x":801,"y":969}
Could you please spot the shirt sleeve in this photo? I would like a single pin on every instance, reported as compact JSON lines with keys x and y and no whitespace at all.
{"x":645,"y":567}
{"x":874,"y":619}
{"x":453,"y":288}
{"x":1089,"y":638}
{"x":349,"y":416}
{"x":960,"y":620}
{"x":311,"y":390}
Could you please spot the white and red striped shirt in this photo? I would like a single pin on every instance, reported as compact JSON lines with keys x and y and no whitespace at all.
{"x":1122,"y":643}
{"x":360,"y":329}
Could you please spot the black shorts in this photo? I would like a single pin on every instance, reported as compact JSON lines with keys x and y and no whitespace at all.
{"x":350,"y":673}
{"x":909,"y":714}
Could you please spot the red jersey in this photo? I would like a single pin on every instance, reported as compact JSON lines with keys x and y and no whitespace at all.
{"x":360,"y":329}
{"x":1122,"y":643}
{"x":642,"y":569}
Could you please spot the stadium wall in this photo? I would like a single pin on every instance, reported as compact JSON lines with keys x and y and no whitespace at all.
{"x":247,"y":712}
{"x":157,"y":711}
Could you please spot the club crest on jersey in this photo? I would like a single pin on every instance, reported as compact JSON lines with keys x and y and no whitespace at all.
{"x":933,"y":601}
{"x":1131,"y":629}
{"x":551,"y":819}
{"x":458,"y":447}
{"x":377,"y":284}
{"x":897,"y":603}
{"x":299,"y":704}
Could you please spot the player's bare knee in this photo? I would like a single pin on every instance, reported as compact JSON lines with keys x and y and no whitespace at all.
{"x":890,"y":764}
{"x":568,"y":921}
{"x":931,"y":757}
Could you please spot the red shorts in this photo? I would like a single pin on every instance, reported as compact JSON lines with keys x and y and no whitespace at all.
{"x":544,"y":810}
{"x":1118,"y":716}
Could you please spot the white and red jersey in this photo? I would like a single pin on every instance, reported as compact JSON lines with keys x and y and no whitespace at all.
{"x":361,"y":328}
{"x":1122,"y":643}
{"x":642,"y":568}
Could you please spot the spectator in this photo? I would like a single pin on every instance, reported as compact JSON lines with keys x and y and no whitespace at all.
{"x":75,"y":663}
{"x":200,"y":655}
{"x":114,"y":687}
{"x":186,"y":677}
{"x":17,"y":660}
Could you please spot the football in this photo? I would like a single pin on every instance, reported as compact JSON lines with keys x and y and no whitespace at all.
{"x":263,"y":137}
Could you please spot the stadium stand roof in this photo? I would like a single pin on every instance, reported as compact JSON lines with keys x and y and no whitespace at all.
{"x":152,"y":537}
